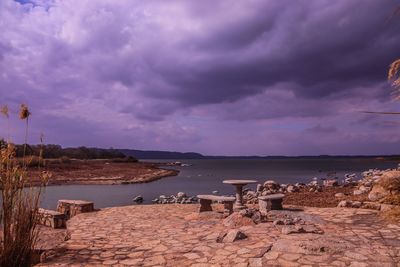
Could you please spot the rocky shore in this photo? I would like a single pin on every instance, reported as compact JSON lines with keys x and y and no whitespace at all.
{"x":349,"y":192}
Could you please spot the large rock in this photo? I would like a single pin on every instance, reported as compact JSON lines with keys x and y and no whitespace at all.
{"x":358,"y":192}
{"x":377,"y":193}
{"x":344,"y":204}
{"x":234,"y":235}
{"x":387,"y":207}
{"x":356,"y":204}
{"x":138,"y":199}
{"x":236,"y":220}
{"x":371,"y":205}
{"x":330,"y":182}
{"x":291,"y":229}
{"x":270,"y":184}
{"x":339,"y":195}
{"x":260,"y":188}
{"x":292,"y":188}
{"x":180,"y":195}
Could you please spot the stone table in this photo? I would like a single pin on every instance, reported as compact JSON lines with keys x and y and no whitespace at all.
{"x":239,"y":191}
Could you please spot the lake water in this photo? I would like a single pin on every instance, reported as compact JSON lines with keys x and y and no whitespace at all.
{"x":206,"y":175}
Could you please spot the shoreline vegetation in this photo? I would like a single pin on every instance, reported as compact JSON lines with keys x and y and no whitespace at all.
{"x":85,"y":165}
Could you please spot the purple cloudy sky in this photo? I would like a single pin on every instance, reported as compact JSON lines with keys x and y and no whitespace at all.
{"x":227,"y":77}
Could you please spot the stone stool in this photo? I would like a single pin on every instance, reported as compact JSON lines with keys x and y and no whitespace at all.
{"x":73,"y":207}
{"x":270,"y":202}
{"x":52,"y":218}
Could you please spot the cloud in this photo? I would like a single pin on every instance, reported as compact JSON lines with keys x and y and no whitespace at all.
{"x":164,"y":75}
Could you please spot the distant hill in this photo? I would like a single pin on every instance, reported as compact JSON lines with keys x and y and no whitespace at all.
{"x":150,"y":154}
{"x":142,"y":154}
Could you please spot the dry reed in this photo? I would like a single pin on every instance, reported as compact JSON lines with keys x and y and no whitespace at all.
{"x":19,"y":207}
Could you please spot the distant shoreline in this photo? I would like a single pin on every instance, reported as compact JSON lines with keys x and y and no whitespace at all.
{"x":169,"y":155}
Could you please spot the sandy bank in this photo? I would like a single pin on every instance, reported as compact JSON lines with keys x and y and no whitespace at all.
{"x":101,"y":172}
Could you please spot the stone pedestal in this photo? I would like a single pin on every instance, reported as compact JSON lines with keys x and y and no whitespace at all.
{"x":52,"y":218}
{"x":73,"y":207}
{"x":205,"y":205}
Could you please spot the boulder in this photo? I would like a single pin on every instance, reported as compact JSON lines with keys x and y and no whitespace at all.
{"x":291,"y":229}
{"x":344,"y":204}
{"x":251,"y":194}
{"x":364,"y":188}
{"x":331,"y":183}
{"x":377,"y":193}
{"x":387,"y":207}
{"x":237,"y":220}
{"x":339,"y":195}
{"x":358,"y":192}
{"x":234,"y":235}
{"x":371,"y":205}
{"x":181,"y":195}
{"x":257,"y":217}
{"x":138,"y":199}
{"x":292,"y":189}
{"x":270,"y":184}
{"x":309,"y":228}
{"x":356,"y":204}
{"x":259,"y":188}
{"x":278,"y":222}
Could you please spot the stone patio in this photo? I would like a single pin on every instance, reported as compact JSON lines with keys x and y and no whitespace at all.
{"x":164,"y":235}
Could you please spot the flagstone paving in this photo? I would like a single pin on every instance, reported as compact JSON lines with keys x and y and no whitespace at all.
{"x":163,"y":235}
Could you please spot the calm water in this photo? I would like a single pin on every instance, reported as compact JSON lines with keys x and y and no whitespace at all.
{"x":205,"y":176}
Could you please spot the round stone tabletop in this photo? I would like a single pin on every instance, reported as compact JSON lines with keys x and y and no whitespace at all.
{"x":239,"y":182}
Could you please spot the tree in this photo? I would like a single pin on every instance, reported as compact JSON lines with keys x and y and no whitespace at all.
{"x":394,"y":78}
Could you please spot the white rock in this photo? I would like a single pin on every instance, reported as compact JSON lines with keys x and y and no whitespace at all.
{"x":344,"y":204}
{"x":181,"y":195}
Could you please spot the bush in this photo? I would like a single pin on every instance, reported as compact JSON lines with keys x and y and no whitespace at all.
{"x":31,"y":161}
{"x":393,"y":214}
{"x":123,"y":160}
{"x":390,"y":181}
{"x":64,"y":160}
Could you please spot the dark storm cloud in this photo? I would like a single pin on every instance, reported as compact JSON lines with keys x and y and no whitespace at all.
{"x":322,"y":48}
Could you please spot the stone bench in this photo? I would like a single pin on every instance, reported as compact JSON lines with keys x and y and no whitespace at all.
{"x":73,"y":207}
{"x":270,"y":202}
{"x":206,"y":200}
{"x":52,"y":218}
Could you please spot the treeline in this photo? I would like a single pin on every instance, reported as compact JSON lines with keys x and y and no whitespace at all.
{"x":50,"y":151}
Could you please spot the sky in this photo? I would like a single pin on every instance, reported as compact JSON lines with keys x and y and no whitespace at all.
{"x":256,"y":77}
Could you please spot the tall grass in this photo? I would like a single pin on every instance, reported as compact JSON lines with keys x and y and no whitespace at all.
{"x":19,"y":208}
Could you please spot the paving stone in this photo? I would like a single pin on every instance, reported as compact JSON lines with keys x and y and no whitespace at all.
{"x":159,"y":235}
{"x":191,"y":256}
